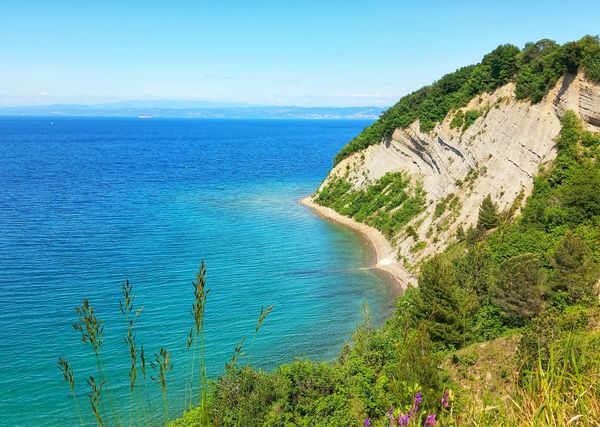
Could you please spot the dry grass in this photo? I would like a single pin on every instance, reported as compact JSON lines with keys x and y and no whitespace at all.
{"x":562,"y":391}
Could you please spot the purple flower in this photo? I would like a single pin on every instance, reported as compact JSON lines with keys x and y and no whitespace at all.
{"x":418,"y":398}
{"x":445,"y":399}
{"x":390,"y":415}
{"x":430,"y":420}
{"x":403,"y":419}
{"x":367,"y":422}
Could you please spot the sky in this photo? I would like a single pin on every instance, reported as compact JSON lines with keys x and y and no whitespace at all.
{"x":285,"y":52}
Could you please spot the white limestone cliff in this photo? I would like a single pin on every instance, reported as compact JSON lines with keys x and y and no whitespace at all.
{"x":499,"y":154}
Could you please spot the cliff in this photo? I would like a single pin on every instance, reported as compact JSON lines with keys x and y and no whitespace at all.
{"x":458,"y":164}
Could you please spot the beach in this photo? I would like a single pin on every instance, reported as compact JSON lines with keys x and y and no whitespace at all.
{"x":384,"y":254}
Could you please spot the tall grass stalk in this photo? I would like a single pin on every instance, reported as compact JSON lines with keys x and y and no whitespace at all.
{"x":92,"y":333}
{"x":131,"y":315}
{"x":162,"y":366}
{"x":96,"y":399}
{"x":235,"y":356}
{"x":196,"y":340}
{"x":67,"y":370}
{"x":261,"y":319}
{"x":144,"y":395}
{"x":187,"y":402}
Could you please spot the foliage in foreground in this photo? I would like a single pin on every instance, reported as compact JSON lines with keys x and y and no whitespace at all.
{"x":535,"y":69}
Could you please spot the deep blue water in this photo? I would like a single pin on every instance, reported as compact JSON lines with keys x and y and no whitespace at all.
{"x":86,"y":203}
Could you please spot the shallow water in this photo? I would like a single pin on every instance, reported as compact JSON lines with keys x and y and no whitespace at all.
{"x":86,"y":203}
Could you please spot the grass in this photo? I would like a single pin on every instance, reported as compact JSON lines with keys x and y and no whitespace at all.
{"x":565,"y":390}
{"x":139,"y":409}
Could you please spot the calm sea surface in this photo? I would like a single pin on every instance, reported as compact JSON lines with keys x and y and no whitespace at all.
{"x":86,"y":203}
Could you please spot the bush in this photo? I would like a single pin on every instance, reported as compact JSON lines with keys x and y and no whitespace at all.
{"x":487,"y":323}
{"x":470,"y":117}
{"x":458,"y":120}
{"x":244,"y":397}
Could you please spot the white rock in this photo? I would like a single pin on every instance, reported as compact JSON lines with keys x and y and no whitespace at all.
{"x":506,"y":145}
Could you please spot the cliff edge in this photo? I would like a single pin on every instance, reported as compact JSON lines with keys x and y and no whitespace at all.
{"x":495,"y":146}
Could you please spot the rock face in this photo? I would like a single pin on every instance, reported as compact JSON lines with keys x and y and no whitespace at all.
{"x":499,"y":154}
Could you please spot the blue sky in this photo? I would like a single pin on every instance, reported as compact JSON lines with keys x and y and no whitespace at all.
{"x":321,"y":53}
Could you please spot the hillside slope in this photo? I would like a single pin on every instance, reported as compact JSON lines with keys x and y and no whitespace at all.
{"x":458,"y":165}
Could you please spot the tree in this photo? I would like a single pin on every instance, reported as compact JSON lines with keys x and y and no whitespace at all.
{"x":441,"y":304}
{"x":488,"y":214}
{"x":518,"y":290}
{"x":502,"y":63}
{"x":580,"y":195}
{"x":474,"y":269}
{"x":574,"y":269}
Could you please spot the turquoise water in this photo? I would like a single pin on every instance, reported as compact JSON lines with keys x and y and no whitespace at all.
{"x":88,"y":203}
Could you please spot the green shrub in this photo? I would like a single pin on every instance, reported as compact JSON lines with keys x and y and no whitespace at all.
{"x":458,"y":120}
{"x":418,"y":247}
{"x":487,"y":323}
{"x":244,"y":396}
{"x":470,"y":117}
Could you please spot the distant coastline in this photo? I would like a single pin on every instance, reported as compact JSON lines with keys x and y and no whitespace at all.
{"x":194,"y":111}
{"x":385,"y":261}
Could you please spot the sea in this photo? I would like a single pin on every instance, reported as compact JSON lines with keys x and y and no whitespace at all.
{"x":88,"y":203}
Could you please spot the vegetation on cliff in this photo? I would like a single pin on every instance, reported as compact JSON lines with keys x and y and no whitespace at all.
{"x":387,"y":204}
{"x":535,"y":70}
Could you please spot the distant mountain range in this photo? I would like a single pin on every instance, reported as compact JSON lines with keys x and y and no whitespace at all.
{"x":193,"y":109}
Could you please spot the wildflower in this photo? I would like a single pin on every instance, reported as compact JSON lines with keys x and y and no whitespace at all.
{"x":403,"y":419}
{"x":367,"y":422}
{"x":445,"y":399}
{"x":390,"y":415}
{"x":418,"y":398}
{"x":430,"y":420}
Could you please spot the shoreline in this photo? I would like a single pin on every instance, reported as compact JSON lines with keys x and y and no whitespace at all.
{"x":384,"y":260}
